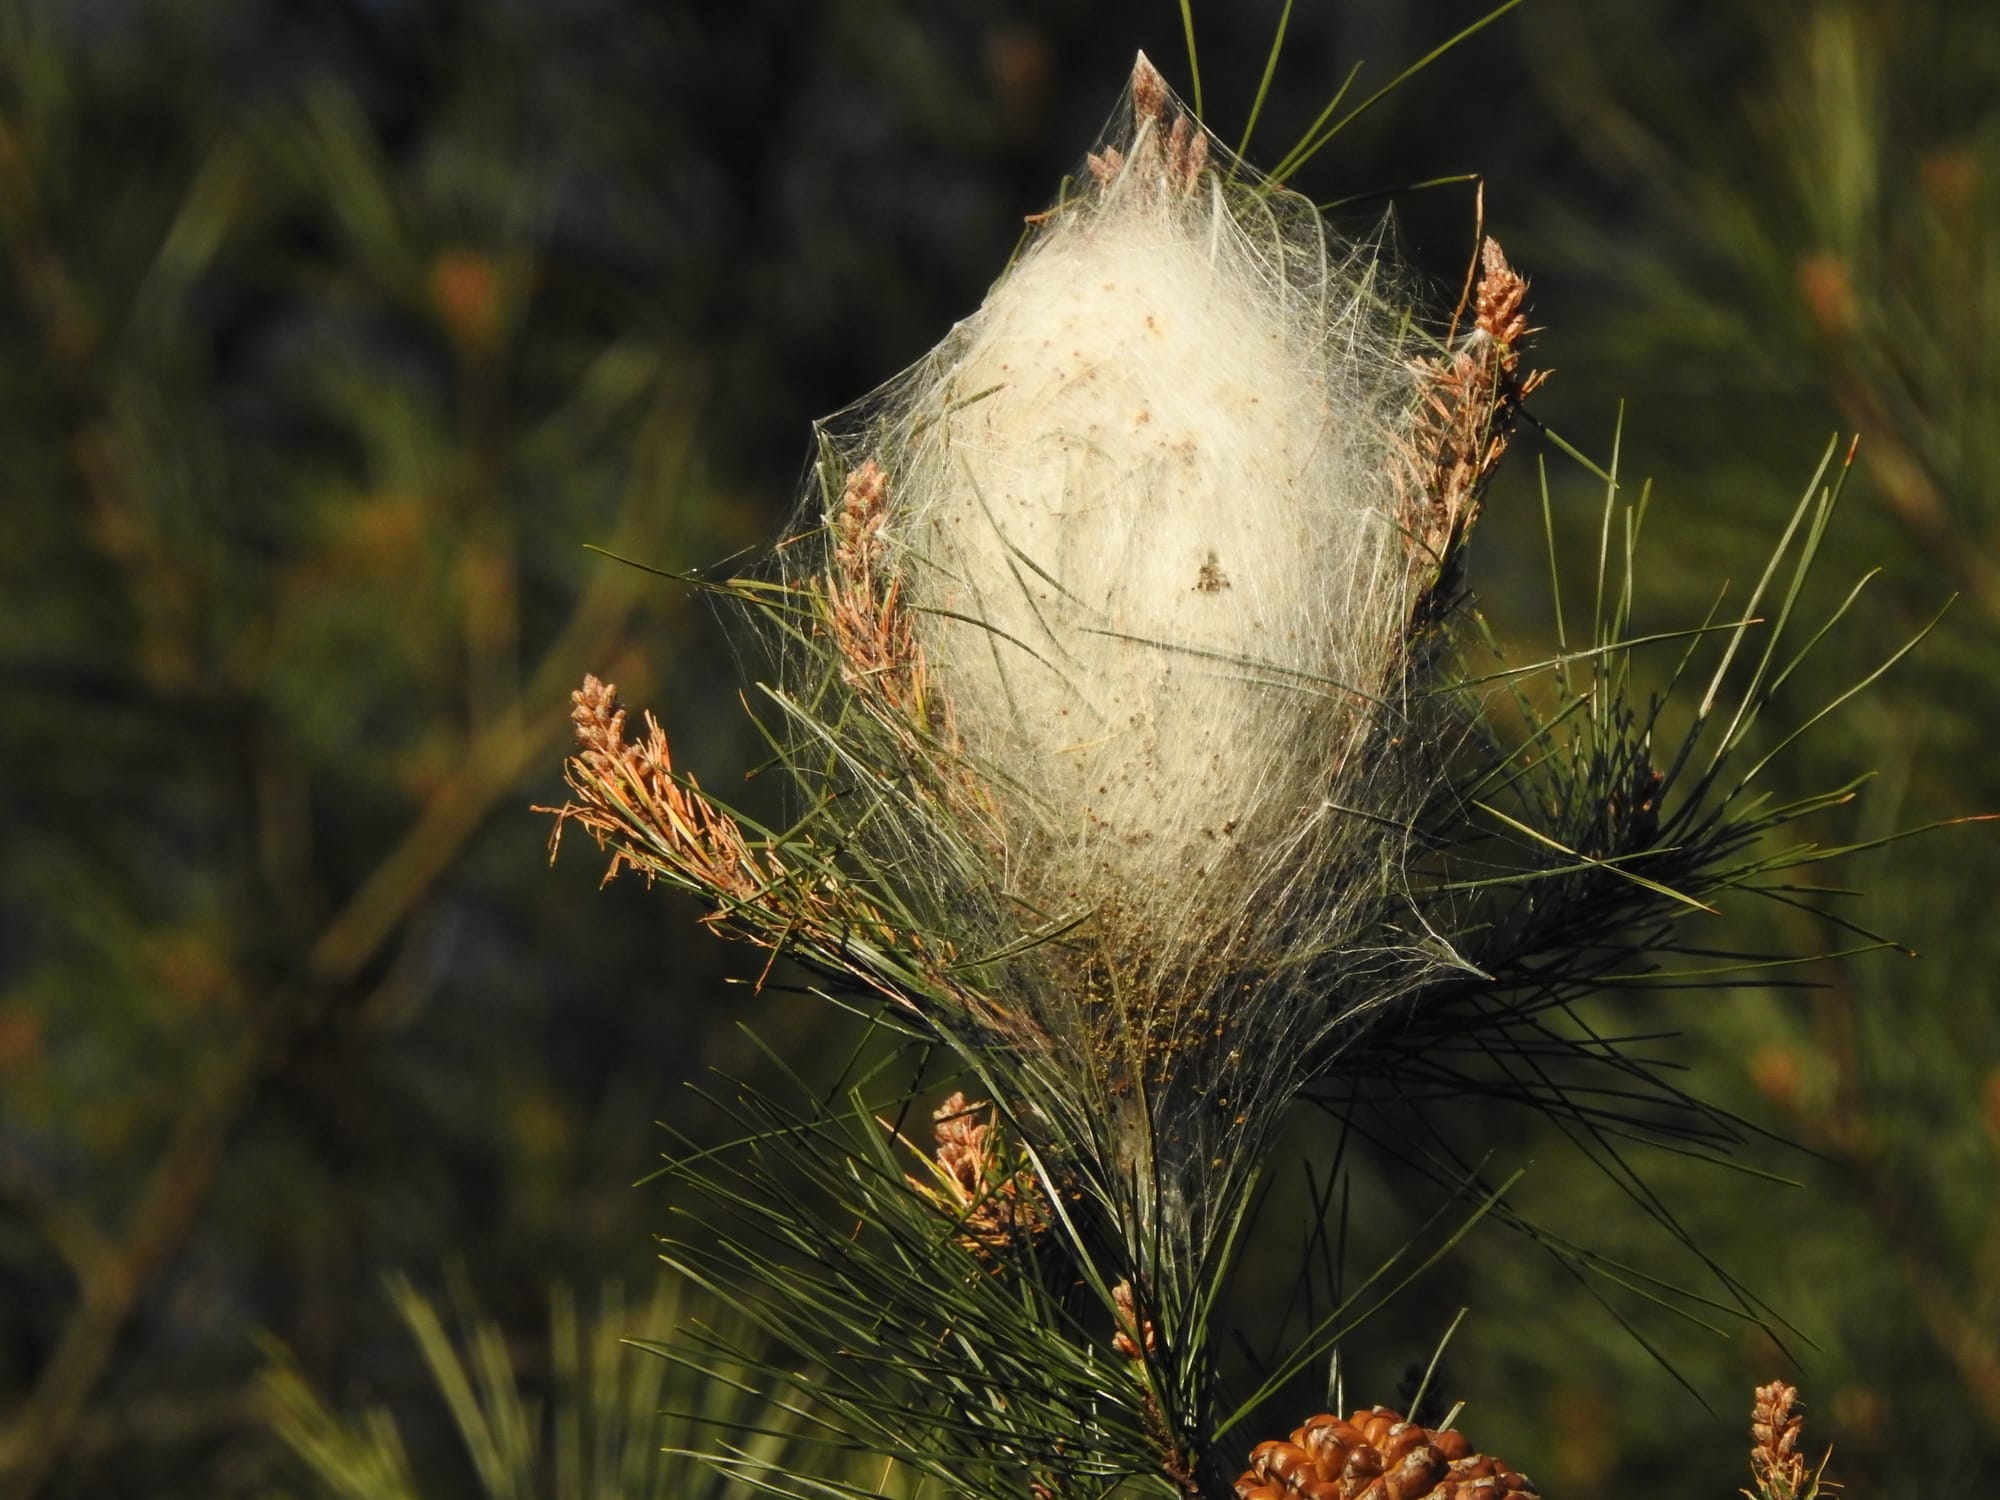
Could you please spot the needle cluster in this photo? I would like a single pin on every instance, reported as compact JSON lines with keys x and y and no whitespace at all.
{"x":1145,"y":776}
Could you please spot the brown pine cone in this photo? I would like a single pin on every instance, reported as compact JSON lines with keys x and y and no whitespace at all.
{"x":1375,"y":1455}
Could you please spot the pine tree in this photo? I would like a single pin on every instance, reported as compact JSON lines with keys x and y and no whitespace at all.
{"x":1153,"y":776}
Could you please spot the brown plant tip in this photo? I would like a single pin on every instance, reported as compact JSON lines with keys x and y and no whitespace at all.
{"x":1166,"y":140}
{"x":630,"y":792}
{"x":1776,"y":1425}
{"x":1500,"y":309}
{"x":599,"y":719}
{"x":877,"y":641}
{"x":1134,"y":1338}
{"x":1376,"y":1455}
{"x":984,"y":1183}
{"x":1149,"y":91}
{"x":881,"y":660}
{"x":1187,"y":153}
{"x":661,"y":824}
{"x":863,"y":507}
{"x":1467,"y":404}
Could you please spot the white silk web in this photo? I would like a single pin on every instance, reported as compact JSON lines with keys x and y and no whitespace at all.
{"x":1146,"y":511}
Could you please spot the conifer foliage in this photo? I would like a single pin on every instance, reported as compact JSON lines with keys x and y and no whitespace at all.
{"x":1153,"y":778}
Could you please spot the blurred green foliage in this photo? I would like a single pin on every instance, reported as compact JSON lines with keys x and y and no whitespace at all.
{"x":332,"y":331}
{"x":576,"y":1419}
{"x":308,"y":410}
{"x":1806,"y":245}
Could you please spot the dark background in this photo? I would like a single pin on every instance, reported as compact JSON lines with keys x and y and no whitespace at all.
{"x":330,"y":333}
